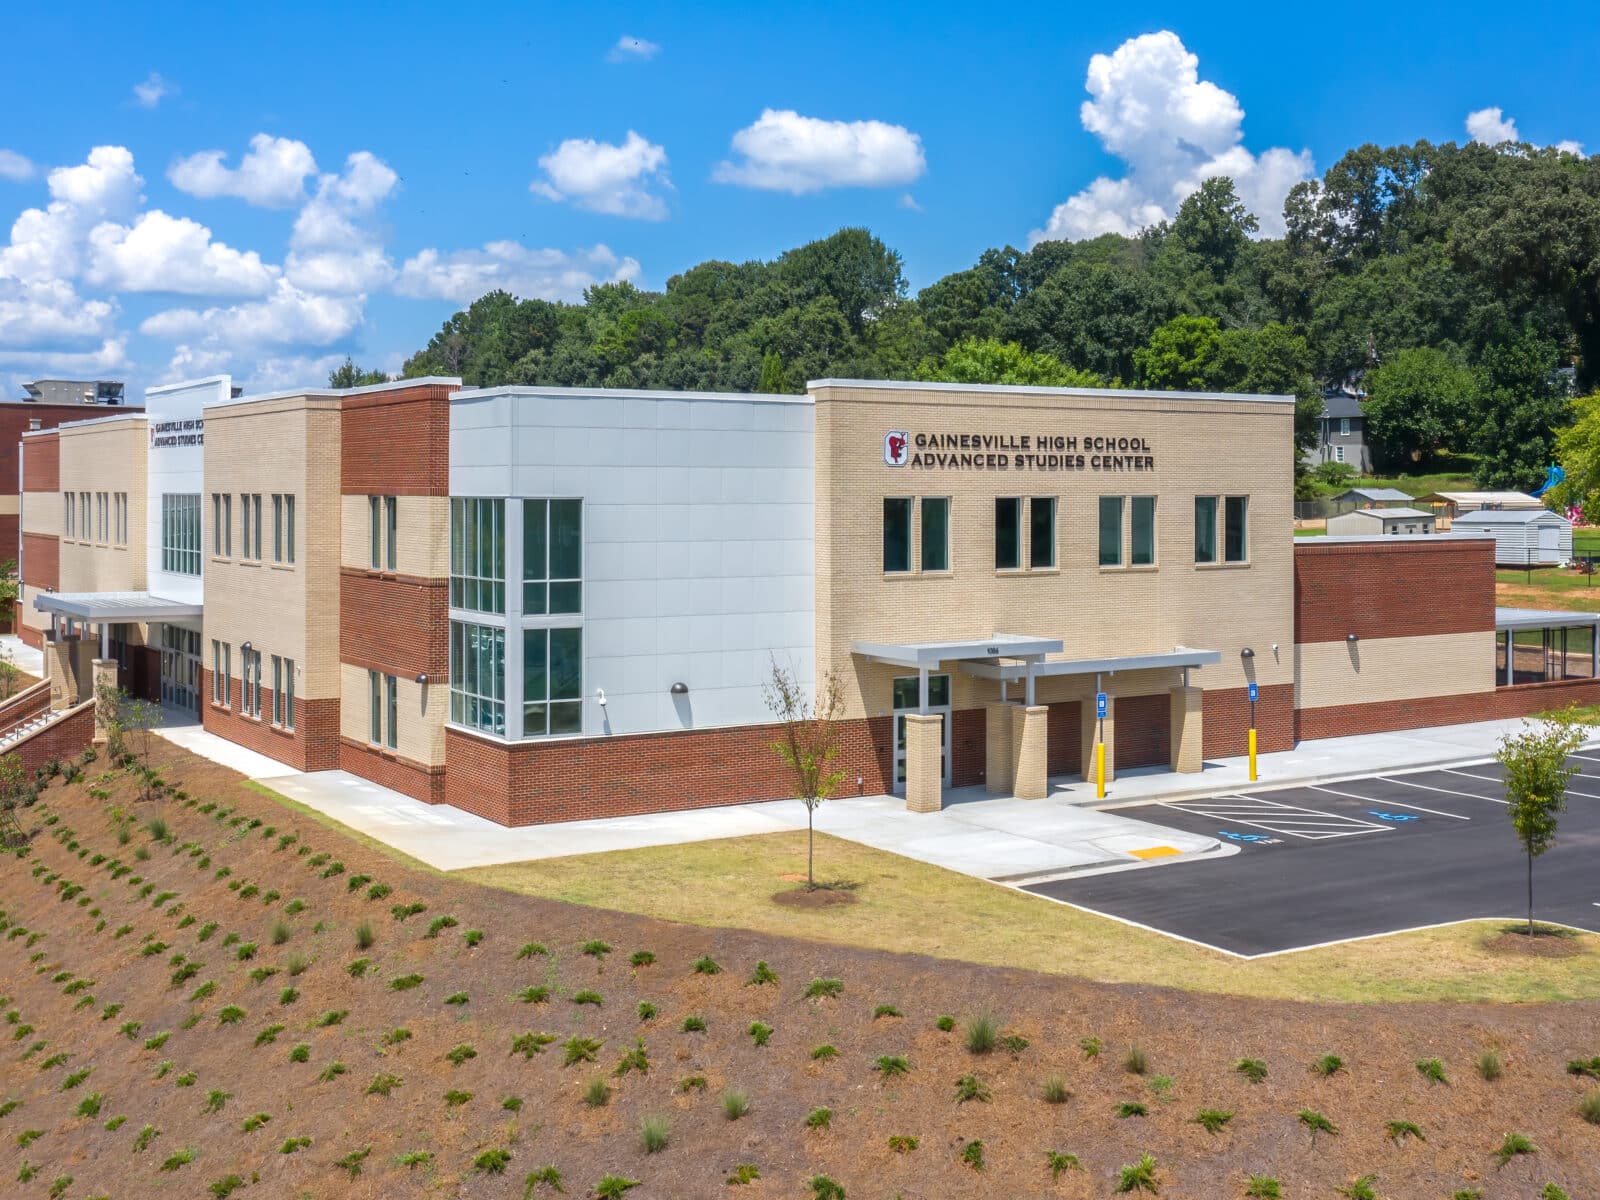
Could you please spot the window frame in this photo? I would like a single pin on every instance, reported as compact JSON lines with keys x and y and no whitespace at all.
{"x":540,"y":584}
{"x":468,"y":550}
{"x":907,"y":507}
{"x":474,"y":703}
{"x":1016,"y":506}
{"x":1243,"y":557}
{"x":1153,"y":517}
{"x":1120,"y":560}
{"x":1050,"y":505}
{"x":182,"y":535}
{"x":922,"y":534}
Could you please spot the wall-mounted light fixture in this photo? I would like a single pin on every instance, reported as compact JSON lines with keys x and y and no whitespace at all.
{"x":680,"y":689}
{"x":245,"y":647}
{"x":1351,"y":638}
{"x":1247,"y":653}
{"x":600,"y":696}
{"x":423,"y":679}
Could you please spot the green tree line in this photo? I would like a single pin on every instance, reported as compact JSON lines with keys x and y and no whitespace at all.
{"x":1450,"y":283}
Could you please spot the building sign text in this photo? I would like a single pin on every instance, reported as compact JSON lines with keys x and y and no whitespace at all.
{"x":1017,"y":452}
{"x":177,"y":433}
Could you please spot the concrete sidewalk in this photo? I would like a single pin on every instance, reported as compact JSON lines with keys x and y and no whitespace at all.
{"x":23,"y":656}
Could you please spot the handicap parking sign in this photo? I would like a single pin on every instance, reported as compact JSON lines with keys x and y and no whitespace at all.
{"x":1253,"y":693}
{"x":1100,"y":705}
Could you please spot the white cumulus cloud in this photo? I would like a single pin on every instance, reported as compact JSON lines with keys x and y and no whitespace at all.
{"x":333,"y":248}
{"x":47,"y":243}
{"x":785,"y":152}
{"x":1492,"y":127}
{"x":111,"y":355}
{"x":288,"y":317}
{"x":271,"y":174}
{"x":50,"y":313}
{"x":606,"y":178}
{"x":633,"y":49}
{"x":464,"y":275}
{"x":152,"y":91}
{"x":14,"y":166}
{"x":1150,"y":108}
{"x":163,"y":253}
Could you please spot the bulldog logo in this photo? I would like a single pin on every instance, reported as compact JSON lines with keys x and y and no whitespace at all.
{"x":896,"y":444}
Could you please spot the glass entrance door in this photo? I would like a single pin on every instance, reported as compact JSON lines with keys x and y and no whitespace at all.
{"x":180,"y":667}
{"x":905,"y":700}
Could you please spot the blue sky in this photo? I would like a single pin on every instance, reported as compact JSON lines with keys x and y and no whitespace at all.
{"x":415,"y":155}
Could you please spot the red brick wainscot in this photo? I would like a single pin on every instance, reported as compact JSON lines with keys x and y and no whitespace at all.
{"x":574,"y":779}
{"x":1521,"y":700}
{"x":312,"y":745}
{"x":1225,"y":720}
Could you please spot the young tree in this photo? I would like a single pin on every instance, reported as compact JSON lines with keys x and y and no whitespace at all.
{"x":809,"y":746}
{"x":1537,"y":766}
{"x":15,"y":794}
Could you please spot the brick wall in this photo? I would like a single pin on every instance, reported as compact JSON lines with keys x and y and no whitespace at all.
{"x":1143,"y":732}
{"x":577,"y":779}
{"x":1225,"y":720}
{"x":41,"y":560}
{"x":390,"y":770}
{"x":312,"y":745}
{"x":397,"y":442}
{"x":66,"y":738}
{"x":41,"y":463}
{"x":969,"y":740}
{"x":29,"y":635}
{"x":1064,"y":738}
{"x":1392,"y":589}
{"x":396,"y":624}
{"x":1523,"y":700}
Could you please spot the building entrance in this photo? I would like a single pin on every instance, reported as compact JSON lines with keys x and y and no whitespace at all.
{"x":180,"y":667}
{"x":905,"y":700}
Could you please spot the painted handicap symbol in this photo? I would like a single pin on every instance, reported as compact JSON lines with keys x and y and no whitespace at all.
{"x":1257,"y":839}
{"x":1384,"y":816}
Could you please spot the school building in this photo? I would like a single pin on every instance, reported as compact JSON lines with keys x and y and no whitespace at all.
{"x":545,"y":604}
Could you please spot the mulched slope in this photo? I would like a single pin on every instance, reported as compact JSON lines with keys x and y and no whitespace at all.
{"x":1193,"y":1040}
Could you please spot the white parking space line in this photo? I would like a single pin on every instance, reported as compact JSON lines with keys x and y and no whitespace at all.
{"x":1277,"y":817}
{"x":1572,"y":791}
{"x":1447,"y":791}
{"x":1389,"y":803}
{"x":1594,"y":758}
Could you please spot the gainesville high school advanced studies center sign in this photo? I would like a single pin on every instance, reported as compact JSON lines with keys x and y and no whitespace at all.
{"x":1016,"y":452}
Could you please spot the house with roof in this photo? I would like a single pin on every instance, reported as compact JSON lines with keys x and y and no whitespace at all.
{"x":1341,"y":431}
{"x":1372,"y":497}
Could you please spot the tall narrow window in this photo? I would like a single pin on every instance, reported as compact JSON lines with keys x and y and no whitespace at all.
{"x":1110,"y":531}
{"x":1007,"y":533}
{"x":1235,"y":541}
{"x":288,"y":529}
{"x":68,"y":509}
{"x":478,"y":554}
{"x":216,"y":523}
{"x":277,"y":527}
{"x":391,"y":708}
{"x":1042,"y":532}
{"x":391,"y":529}
{"x":250,"y":683}
{"x":221,"y":683}
{"x":1205,"y":529}
{"x":1143,"y":513}
{"x":375,"y":707}
{"x":552,"y":681}
{"x":375,"y":532}
{"x":180,"y":534}
{"x":227,"y":523}
{"x":477,"y":676}
{"x":936,"y":533}
{"x":552,"y":556}
{"x":896,"y":535}
{"x":277,"y":690}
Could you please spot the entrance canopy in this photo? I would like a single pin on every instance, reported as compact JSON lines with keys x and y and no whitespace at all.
{"x":115,"y":607}
{"x":1181,"y":657}
{"x":927,"y":655}
{"x":1541,"y":618}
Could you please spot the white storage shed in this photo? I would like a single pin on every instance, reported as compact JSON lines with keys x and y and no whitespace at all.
{"x":1362,"y":522}
{"x":1522,"y":538}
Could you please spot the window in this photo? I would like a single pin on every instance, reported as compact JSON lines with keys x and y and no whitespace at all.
{"x":221,"y":674}
{"x":477,"y":676}
{"x":102,"y":517}
{"x":552,"y":681}
{"x":936,"y":533}
{"x":1344,"y":428}
{"x":391,"y":521}
{"x":383,"y":518}
{"x":250,"y":525}
{"x":1042,"y":532}
{"x":250,"y":682}
{"x":552,"y":556}
{"x":1338,"y":454}
{"x":383,"y":695}
{"x":1110,"y":531}
{"x":1143,"y":513}
{"x":1205,"y":529}
{"x":180,"y":534}
{"x":1007,"y":533}
{"x":68,"y":509}
{"x":896,"y":535}
{"x":283,"y":692}
{"x":1235,"y":542}
{"x":122,"y":518}
{"x":906,"y":686}
{"x":478,"y":555}
{"x":85,"y":531}
{"x":282,"y":528}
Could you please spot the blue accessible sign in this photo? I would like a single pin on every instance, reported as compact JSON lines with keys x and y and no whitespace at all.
{"x":1254,"y":692}
{"x":1100,"y":705}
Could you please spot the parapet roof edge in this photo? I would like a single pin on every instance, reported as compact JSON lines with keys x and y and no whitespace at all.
{"x":141,"y":415}
{"x":523,"y":389}
{"x":339,"y":393}
{"x":162,"y":389}
{"x":908,"y":385}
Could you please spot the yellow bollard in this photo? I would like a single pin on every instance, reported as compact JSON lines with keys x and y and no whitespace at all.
{"x":1100,"y":770}
{"x":1252,"y":754}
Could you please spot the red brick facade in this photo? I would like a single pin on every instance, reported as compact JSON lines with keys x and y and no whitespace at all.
{"x":1064,"y":738}
{"x":1225,"y":720}
{"x":67,"y":738}
{"x":41,"y":560}
{"x":1523,"y":700}
{"x":312,"y":745}
{"x":1411,"y":588}
{"x":1143,"y":735}
{"x":576,"y":779}
{"x":969,"y":739}
{"x":41,"y":462}
{"x":399,"y":625}
{"x":396,"y":442}
{"x":390,"y":770}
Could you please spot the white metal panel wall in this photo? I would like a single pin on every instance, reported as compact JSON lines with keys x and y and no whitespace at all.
{"x":178,"y":470}
{"x":698,"y":540}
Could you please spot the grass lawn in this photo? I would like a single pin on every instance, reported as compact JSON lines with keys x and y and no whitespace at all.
{"x":1547,"y":588}
{"x":1310,"y":533}
{"x":910,"y":906}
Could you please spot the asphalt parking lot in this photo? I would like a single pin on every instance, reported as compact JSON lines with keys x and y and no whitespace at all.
{"x":1352,"y":859}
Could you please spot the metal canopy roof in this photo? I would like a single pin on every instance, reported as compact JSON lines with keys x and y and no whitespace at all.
{"x":931,"y":654}
{"x":115,"y":606}
{"x":1182,"y":656}
{"x":1542,"y":618}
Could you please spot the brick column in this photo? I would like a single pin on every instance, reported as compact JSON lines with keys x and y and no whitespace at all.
{"x":924,"y":744}
{"x":997,"y":718}
{"x":1090,"y":725}
{"x":1186,"y":730}
{"x":1029,"y":739}
{"x":61,"y":669}
{"x":105,"y":676}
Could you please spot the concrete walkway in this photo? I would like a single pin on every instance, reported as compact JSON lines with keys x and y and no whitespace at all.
{"x":23,"y":656}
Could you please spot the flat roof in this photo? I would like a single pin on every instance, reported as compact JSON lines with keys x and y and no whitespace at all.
{"x":524,"y":389}
{"x":931,"y":654}
{"x":1519,"y":498}
{"x":115,"y":606}
{"x":1375,"y":494}
{"x":1001,"y":389}
{"x":1182,"y":656}
{"x":1542,"y":618}
{"x":327,"y":392}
